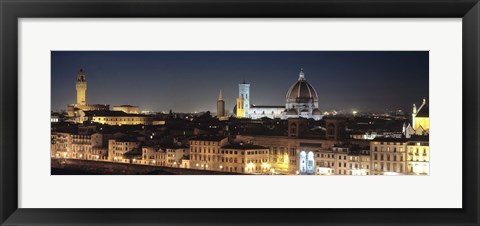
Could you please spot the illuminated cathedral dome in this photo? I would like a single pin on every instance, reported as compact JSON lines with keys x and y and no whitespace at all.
{"x":301,"y":91}
{"x":302,"y":100}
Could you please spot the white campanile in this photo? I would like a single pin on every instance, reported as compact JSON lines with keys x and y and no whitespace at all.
{"x":244,"y":92}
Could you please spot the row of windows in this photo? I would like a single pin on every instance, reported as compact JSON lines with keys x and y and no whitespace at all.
{"x":388,"y":157}
{"x":125,"y":143}
{"x":204,"y":150}
{"x":81,"y":148}
{"x":197,"y":142}
{"x":119,"y":119}
{"x":225,"y":159}
{"x":343,"y":172}
{"x":388,"y":149}
{"x":81,"y":137}
{"x":389,"y":167}
{"x":231,"y":152}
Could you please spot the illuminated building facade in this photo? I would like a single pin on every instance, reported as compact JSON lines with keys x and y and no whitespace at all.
{"x":388,"y":156}
{"x":218,"y":154}
{"x":174,"y":156}
{"x":117,"y":118}
{"x":89,"y":147}
{"x":61,"y":145}
{"x":418,"y":160}
{"x":205,"y":152}
{"x":244,"y":158}
{"x":420,"y":118}
{"x":260,"y":111}
{"x":118,"y":147}
{"x":152,"y":156}
{"x":342,"y":160}
{"x":285,"y":153}
{"x":129,"y":109}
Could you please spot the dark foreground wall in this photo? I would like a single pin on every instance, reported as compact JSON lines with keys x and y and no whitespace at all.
{"x":88,"y":167}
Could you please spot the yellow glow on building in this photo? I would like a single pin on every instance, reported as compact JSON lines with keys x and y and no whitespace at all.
{"x":240,"y":111}
{"x":127,"y":109}
{"x":123,"y":120}
{"x":423,"y":122}
{"x":420,"y":117}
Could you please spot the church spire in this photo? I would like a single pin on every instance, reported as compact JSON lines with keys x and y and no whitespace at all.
{"x":220,"y":95}
{"x":414,"y":109}
{"x":301,"y":76}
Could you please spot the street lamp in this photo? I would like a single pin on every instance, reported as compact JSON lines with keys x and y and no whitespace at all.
{"x":250,"y":167}
{"x":265,"y":166}
{"x":272,"y":170}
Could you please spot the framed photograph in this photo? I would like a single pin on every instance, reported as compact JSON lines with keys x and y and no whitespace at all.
{"x":227,"y":112}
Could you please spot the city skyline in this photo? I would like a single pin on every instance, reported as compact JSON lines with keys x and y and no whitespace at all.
{"x":189,"y":81}
{"x":280,"y":125}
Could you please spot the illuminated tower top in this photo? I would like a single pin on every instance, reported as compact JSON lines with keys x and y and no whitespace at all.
{"x":220,"y":95}
{"x":81,"y":76}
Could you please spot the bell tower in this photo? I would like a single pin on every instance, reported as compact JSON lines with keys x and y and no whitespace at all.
{"x":81,"y":88}
{"x":240,"y":107}
{"x":220,"y":105}
{"x":244,"y":93}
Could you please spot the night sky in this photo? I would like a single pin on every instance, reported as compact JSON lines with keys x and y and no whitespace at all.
{"x":188,"y":81}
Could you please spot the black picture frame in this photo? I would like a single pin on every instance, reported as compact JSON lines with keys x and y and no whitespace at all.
{"x":12,"y":10}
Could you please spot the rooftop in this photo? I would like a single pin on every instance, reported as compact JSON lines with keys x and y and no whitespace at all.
{"x":265,"y":106}
{"x":111,"y":114}
{"x":243,"y":146}
{"x":125,"y":105}
{"x":390,"y":139}
{"x":208,"y":138}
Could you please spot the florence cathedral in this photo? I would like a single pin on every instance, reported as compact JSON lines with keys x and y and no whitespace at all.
{"x":301,"y":101}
